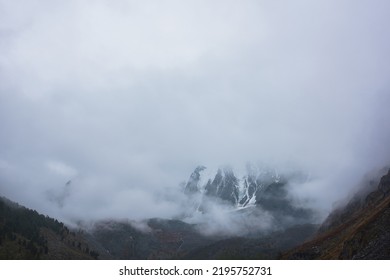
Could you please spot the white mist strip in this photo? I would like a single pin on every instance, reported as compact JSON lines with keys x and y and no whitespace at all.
{"x":241,"y":269}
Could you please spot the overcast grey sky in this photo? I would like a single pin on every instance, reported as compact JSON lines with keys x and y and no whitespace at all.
{"x":126,"y":98}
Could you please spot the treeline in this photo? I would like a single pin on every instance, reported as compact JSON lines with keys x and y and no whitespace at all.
{"x":22,"y":226}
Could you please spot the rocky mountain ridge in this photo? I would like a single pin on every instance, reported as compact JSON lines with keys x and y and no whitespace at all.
{"x":264,"y":189}
{"x":359,"y":230}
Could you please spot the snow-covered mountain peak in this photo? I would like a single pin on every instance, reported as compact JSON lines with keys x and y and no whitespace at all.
{"x":264,"y":190}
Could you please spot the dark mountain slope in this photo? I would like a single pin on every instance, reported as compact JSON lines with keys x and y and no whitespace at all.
{"x":361,"y":230}
{"x":161,"y":239}
{"x":26,"y":234}
{"x":263,"y":247}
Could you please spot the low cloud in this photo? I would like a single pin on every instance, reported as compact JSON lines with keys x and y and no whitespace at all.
{"x":126,"y":99}
{"x":223,"y":221}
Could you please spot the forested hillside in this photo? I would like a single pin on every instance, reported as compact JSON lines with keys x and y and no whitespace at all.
{"x":26,"y":234}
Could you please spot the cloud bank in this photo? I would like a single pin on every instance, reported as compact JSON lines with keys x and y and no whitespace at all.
{"x":126,"y":98}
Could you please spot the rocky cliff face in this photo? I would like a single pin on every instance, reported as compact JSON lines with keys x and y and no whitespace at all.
{"x":228,"y":188}
{"x":263,"y":189}
{"x":192,"y":186}
{"x":224,"y":186}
